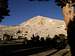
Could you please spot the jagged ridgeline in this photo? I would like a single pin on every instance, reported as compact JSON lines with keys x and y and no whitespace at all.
{"x":39,"y":25}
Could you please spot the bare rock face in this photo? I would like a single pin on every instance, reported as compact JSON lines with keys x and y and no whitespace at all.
{"x":39,"y":25}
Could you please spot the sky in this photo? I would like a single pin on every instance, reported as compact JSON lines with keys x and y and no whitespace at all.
{"x":22,"y":10}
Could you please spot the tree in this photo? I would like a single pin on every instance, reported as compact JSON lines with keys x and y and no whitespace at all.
{"x":6,"y":37}
{"x":59,"y":41}
{"x":3,"y":9}
{"x":49,"y":41}
{"x":69,"y":18}
{"x":62,"y":36}
{"x":67,"y":10}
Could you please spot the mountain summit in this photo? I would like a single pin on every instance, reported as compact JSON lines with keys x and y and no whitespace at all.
{"x":41,"y":20}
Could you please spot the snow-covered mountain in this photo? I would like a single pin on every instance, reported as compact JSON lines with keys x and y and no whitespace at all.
{"x":41,"y":26}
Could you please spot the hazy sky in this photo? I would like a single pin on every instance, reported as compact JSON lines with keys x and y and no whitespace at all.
{"x":21,"y":10}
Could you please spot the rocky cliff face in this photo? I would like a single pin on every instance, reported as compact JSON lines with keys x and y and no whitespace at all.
{"x":41,"y":26}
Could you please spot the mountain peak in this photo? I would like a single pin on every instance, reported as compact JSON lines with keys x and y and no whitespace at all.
{"x":41,"y":20}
